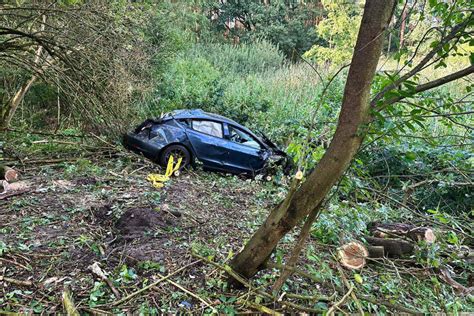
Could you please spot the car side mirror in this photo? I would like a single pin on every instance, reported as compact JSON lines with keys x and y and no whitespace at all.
{"x":262,"y":153}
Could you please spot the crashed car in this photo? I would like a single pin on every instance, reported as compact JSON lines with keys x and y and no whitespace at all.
{"x":219,"y":143}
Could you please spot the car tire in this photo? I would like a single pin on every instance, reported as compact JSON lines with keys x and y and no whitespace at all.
{"x":177,"y":151}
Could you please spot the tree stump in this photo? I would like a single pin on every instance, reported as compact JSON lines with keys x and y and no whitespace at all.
{"x":8,"y":174}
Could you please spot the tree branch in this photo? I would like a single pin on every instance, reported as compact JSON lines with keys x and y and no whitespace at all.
{"x":446,"y":39}
{"x":432,"y":84}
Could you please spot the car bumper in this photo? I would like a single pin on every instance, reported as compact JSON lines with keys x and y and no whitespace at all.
{"x":141,"y":143}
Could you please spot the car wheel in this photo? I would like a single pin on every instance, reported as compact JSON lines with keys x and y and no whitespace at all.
{"x":177,"y":151}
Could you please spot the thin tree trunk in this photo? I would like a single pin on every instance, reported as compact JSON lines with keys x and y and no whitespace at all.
{"x":344,"y":145}
{"x":305,"y":230}
{"x":402,"y":27}
{"x":10,"y":108}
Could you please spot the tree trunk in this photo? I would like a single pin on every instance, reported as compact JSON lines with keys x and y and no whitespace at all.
{"x":345,"y":144}
{"x":10,"y":108}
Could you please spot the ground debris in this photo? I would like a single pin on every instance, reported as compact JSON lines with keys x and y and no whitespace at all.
{"x":137,"y":221}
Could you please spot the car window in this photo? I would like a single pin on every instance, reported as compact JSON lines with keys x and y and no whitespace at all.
{"x":208,"y":127}
{"x":185,"y":122}
{"x":238,"y":136}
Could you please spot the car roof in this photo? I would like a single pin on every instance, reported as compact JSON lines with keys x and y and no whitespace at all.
{"x":200,"y":114}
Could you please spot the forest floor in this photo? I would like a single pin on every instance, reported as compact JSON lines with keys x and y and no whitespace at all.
{"x":101,"y":209}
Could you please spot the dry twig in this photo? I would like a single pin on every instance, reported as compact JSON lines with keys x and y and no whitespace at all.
{"x":146,"y":288}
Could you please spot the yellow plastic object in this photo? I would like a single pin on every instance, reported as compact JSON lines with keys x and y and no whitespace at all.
{"x":158,"y":180}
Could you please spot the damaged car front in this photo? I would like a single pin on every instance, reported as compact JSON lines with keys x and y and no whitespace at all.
{"x":219,"y":143}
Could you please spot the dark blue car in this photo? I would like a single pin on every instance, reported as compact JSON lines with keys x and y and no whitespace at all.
{"x":220,"y":143}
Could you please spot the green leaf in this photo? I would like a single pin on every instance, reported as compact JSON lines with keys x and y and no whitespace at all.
{"x":410,"y":155}
{"x":358,"y":278}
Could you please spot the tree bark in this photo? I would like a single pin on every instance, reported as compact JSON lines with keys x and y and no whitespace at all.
{"x":355,"y":113}
{"x":392,"y":247}
{"x":402,"y":27}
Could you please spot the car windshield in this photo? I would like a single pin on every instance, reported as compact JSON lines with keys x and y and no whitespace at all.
{"x":242,"y":137}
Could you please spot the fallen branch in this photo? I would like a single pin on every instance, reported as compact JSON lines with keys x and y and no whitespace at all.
{"x":15,"y":281}
{"x":262,"y":309}
{"x":389,"y":305}
{"x":348,"y":285}
{"x":341,"y":301}
{"x":68,"y":303}
{"x":15,"y":263}
{"x":95,"y":311}
{"x":188,"y":292}
{"x":245,"y":283}
{"x":146,"y":288}
{"x":312,"y":298}
{"x":96,"y":270}
{"x":7,"y":313}
{"x":295,"y":270}
{"x":446,"y":277}
{"x":340,"y":290}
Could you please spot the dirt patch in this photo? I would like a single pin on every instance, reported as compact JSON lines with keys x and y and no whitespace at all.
{"x":103,"y":214}
{"x":137,"y":221}
{"x":86,"y":181}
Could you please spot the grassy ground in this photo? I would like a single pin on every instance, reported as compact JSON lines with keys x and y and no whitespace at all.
{"x":87,"y":204}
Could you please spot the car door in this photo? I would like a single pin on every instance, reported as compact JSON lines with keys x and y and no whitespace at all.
{"x":208,"y":144}
{"x":245,"y":152}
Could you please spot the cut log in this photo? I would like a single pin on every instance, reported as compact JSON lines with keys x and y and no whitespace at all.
{"x":376,"y":251}
{"x":422,"y":233}
{"x":13,"y":189}
{"x":8,"y":174}
{"x":352,"y":255}
{"x":3,"y":186}
{"x":392,"y":247}
{"x":384,"y":230}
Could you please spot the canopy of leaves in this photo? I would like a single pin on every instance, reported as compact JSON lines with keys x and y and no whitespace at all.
{"x":288,"y":25}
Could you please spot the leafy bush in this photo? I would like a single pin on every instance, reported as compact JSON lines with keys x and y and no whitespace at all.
{"x":189,"y":83}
